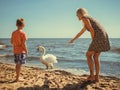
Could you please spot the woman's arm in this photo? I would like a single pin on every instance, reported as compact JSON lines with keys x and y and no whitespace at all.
{"x":78,"y":35}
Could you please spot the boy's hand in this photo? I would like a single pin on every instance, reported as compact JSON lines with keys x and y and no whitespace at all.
{"x":26,"y":54}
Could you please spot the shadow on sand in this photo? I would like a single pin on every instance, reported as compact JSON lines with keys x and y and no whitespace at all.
{"x":78,"y":86}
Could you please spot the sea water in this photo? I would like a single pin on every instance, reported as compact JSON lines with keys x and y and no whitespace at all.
{"x":71,"y":57}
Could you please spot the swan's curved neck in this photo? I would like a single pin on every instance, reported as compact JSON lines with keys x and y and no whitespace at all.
{"x":43,"y":50}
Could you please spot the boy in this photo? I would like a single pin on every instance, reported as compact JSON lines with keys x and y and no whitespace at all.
{"x":18,"y":40}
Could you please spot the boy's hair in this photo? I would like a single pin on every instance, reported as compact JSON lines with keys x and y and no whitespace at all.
{"x":20,"y":22}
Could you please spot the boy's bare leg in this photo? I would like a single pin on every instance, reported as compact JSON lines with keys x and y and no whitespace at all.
{"x":18,"y":68}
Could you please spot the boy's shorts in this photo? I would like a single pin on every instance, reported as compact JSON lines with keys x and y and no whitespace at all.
{"x":20,"y":58}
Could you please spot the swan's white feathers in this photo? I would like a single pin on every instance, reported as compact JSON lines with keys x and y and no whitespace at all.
{"x":47,"y":59}
{"x":50,"y":58}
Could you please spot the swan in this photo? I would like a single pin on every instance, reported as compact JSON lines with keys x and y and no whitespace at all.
{"x":47,"y":59}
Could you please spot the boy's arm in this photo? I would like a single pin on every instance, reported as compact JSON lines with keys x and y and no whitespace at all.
{"x":24,"y":46}
{"x":11,"y":40}
{"x":78,"y":35}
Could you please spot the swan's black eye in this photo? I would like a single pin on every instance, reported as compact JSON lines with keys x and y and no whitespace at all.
{"x":38,"y":49}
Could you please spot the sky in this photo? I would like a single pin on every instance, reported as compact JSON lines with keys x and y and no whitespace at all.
{"x":57,"y":18}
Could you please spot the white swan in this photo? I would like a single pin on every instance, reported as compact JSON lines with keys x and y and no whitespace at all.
{"x":47,"y":59}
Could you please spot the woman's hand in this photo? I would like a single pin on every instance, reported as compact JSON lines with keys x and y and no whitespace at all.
{"x":78,"y":35}
{"x":71,"y":41}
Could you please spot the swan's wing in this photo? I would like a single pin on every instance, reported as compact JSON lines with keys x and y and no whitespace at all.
{"x":50,"y":58}
{"x":43,"y":61}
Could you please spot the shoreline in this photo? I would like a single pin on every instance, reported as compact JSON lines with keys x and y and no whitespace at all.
{"x":41,"y":79}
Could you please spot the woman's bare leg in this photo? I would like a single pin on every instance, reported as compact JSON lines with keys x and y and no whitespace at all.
{"x":97,"y":65}
{"x":89,"y":56}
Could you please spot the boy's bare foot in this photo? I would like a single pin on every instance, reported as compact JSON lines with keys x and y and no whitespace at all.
{"x":19,"y":80}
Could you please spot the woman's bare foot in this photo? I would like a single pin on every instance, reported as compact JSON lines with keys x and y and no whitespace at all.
{"x":91,"y":78}
{"x":97,"y":78}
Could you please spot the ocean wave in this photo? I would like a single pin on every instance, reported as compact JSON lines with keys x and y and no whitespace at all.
{"x":2,"y":47}
{"x":6,"y":55}
{"x":74,"y":71}
{"x":68,"y":60}
{"x":32,"y":57}
{"x":115,"y":50}
{"x":9,"y":56}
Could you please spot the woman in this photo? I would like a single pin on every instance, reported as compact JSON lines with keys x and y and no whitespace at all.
{"x":99,"y":42}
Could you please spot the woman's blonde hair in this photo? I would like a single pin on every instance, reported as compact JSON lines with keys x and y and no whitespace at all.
{"x":20,"y":22}
{"x":82,"y":11}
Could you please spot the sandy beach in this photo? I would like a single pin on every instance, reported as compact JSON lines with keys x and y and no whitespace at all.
{"x":41,"y":79}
